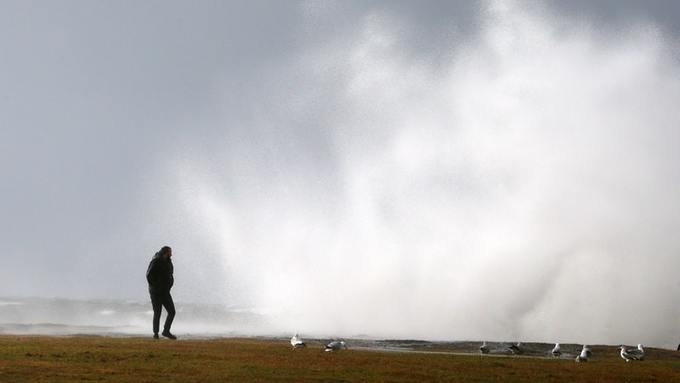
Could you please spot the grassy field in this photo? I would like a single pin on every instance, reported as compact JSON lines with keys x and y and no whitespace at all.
{"x":78,"y":359}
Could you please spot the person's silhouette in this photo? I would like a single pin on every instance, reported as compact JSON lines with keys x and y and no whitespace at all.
{"x":160,"y":278}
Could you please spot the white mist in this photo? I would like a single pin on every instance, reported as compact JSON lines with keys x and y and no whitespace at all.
{"x":523,"y":185}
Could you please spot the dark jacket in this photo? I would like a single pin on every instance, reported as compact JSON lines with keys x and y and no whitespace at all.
{"x":159,"y":275}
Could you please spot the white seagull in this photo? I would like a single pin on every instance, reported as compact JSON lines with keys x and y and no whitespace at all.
{"x":630,"y":355}
{"x":587,"y":349}
{"x":484,"y":349}
{"x":583,"y":357}
{"x":336,"y":345}
{"x":297,"y":342}
{"x":556,"y":351}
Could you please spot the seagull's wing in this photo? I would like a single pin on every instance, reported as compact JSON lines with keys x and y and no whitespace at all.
{"x":629,"y":355}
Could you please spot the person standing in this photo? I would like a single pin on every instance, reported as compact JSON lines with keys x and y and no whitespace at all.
{"x":159,"y":275}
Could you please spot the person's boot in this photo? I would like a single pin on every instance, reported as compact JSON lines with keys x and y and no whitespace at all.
{"x":167,"y":334}
{"x":155,"y":335}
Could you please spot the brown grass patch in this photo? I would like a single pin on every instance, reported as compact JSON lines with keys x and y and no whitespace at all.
{"x":69,"y":359}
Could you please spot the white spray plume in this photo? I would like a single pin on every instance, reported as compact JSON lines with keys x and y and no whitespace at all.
{"x":523,"y":187}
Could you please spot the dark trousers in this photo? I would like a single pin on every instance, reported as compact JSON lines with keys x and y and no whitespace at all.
{"x":158,"y":301}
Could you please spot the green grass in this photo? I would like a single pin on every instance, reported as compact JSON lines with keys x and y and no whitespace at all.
{"x":101,"y":359}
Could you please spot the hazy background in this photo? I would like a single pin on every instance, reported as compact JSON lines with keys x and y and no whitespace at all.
{"x":438,"y":170}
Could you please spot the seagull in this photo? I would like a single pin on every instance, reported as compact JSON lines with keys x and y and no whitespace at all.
{"x":484,"y":349}
{"x":297,"y":342}
{"x":515,"y":349}
{"x":556,"y":351}
{"x":638,"y":352}
{"x":336,"y":345}
{"x":587,"y":350}
{"x":583,"y":357}
{"x":628,"y":356}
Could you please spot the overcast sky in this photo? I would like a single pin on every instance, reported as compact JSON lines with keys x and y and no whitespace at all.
{"x":434,"y":158}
